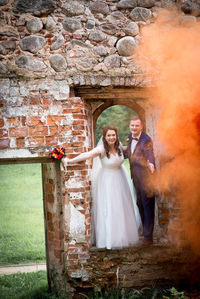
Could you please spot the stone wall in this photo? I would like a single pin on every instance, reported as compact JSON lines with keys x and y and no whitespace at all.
{"x":49,"y":50}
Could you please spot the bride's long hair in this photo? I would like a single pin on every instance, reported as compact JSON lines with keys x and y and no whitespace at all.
{"x":105,"y":143}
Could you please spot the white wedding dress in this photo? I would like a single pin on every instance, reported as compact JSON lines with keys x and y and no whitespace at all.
{"x":114,"y":210}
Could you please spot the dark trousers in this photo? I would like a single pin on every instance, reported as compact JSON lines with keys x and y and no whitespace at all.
{"x":146,"y":206}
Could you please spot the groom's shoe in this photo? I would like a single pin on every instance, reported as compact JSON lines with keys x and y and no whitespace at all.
{"x":147,"y":243}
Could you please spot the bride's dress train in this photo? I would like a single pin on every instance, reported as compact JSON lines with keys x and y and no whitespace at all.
{"x":113,"y":214}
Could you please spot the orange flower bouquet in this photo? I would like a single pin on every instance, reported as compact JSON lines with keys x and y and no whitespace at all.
{"x":57,"y":154}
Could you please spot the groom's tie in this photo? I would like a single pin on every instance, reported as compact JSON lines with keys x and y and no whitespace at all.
{"x":135,"y":138}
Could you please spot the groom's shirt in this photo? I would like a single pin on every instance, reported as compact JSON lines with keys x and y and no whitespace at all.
{"x":134,"y":142}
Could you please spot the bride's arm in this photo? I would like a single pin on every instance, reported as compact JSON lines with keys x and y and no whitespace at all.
{"x":82,"y":157}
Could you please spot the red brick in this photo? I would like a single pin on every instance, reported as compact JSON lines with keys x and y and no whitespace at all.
{"x":4,"y":143}
{"x":72,"y":110}
{"x":38,"y":131}
{"x":35,"y":100}
{"x":3,"y":133}
{"x":53,"y":131}
{"x":50,"y":236}
{"x":35,"y":141}
{"x":51,"y":140}
{"x":1,"y":122}
{"x":18,"y":132}
{"x":34,"y":121}
{"x":54,"y":120}
{"x":20,"y":142}
{"x":13,"y":121}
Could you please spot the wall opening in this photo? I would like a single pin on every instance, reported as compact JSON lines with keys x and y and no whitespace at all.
{"x":22,"y":230}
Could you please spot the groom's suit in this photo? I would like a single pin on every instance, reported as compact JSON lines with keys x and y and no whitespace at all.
{"x":141,"y":178}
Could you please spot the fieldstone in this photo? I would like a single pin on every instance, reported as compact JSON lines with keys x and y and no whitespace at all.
{"x":146,"y":3}
{"x":127,"y":4}
{"x":118,"y":15}
{"x":85,"y":64}
{"x":140,"y":14}
{"x":112,"y":61}
{"x":3,"y":68}
{"x":30,"y":63}
{"x":97,"y":36}
{"x":126,"y":46}
{"x":36,"y":7}
{"x":71,"y":24}
{"x":9,"y":34}
{"x":58,"y":43}
{"x":112,"y":41}
{"x":7,"y":46}
{"x":99,"y":7}
{"x":72,"y":8}
{"x":110,"y":28}
{"x":100,"y":50}
{"x":50,"y":23}
{"x":90,"y":24}
{"x":32,"y":43}
{"x":131,"y":29}
{"x":167,"y":3}
{"x":3,"y":2}
{"x":34,"y":25}
{"x":192,"y":8}
{"x":58,"y":62}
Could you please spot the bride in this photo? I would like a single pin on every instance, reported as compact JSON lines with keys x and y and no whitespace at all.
{"x":114,"y":210}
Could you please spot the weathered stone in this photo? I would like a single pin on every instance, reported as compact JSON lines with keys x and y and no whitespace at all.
{"x":58,"y":62}
{"x":72,"y":8}
{"x":30,"y":63}
{"x":3,"y":2}
{"x":118,"y":15}
{"x":97,"y":36}
{"x":146,"y":3}
{"x":7,"y":46}
{"x":34,"y":25}
{"x":188,"y":21}
{"x":140,"y":14}
{"x":99,"y":7}
{"x":36,"y":7}
{"x":90,"y":24}
{"x":50,"y":23}
{"x":131,"y":29}
{"x":112,"y":41}
{"x":191,"y":8}
{"x":71,"y":24}
{"x":100,"y":50}
{"x":127,"y":4}
{"x":3,"y":68}
{"x":58,"y":43}
{"x":167,"y":3}
{"x":32,"y":43}
{"x":126,"y":46}
{"x":85,"y":64}
{"x":8,"y":33}
{"x":110,"y":28}
{"x":112,"y":61}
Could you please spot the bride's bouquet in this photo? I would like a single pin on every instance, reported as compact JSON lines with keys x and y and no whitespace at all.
{"x":57,"y":154}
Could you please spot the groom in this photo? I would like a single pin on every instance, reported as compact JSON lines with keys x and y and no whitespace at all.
{"x":142,"y":165}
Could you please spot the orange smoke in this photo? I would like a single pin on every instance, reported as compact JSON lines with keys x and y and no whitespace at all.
{"x":172,"y":50}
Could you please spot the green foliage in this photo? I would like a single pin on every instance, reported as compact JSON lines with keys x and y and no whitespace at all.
{"x":21,"y":214}
{"x":25,"y":286}
{"x":144,"y":293}
{"x":118,"y":116}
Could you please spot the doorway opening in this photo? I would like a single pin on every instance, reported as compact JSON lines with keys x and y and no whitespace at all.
{"x":22,"y":229}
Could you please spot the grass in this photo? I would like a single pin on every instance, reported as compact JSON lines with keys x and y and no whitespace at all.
{"x":25,"y":286}
{"x":21,"y":214}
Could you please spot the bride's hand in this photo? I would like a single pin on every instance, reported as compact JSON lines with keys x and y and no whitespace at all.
{"x":65,"y":161}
